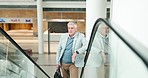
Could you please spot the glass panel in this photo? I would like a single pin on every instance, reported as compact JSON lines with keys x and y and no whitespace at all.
{"x":14,"y":64}
{"x":113,"y":55}
{"x":98,"y":60}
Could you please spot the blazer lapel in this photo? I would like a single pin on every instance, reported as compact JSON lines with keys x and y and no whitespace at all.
{"x":64,"y":42}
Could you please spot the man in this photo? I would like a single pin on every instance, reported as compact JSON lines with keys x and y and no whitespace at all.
{"x":71,"y":47}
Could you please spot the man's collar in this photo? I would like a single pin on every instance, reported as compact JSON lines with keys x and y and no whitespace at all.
{"x":103,"y":36}
{"x":73,"y":35}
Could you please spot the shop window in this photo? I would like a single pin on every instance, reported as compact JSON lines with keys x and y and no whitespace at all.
{"x":58,"y":27}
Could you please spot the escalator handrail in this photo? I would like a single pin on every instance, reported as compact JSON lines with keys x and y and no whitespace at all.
{"x":136,"y":50}
{"x":139,"y":49}
{"x":19,"y":48}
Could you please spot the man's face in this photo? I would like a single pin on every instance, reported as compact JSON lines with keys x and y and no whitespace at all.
{"x":104,"y":30}
{"x":72,"y":30}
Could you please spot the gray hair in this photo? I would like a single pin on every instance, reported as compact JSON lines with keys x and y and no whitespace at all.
{"x":73,"y":24}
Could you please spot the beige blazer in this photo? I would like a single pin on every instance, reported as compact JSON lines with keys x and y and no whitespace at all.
{"x":79,"y":44}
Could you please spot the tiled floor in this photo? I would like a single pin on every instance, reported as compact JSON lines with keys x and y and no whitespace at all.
{"x":47,"y":62}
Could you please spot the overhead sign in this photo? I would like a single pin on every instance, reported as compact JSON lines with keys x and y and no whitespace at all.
{"x":16,"y":20}
{"x":2,"y":20}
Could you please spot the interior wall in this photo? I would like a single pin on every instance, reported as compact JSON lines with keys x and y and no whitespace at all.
{"x":20,"y":26}
{"x":32,"y":13}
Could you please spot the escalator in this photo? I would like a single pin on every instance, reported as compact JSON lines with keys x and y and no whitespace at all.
{"x":14,"y":62}
{"x":125,"y":58}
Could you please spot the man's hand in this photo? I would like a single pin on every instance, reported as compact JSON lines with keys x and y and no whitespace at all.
{"x":74,"y":57}
{"x":57,"y":66}
{"x":103,"y":56}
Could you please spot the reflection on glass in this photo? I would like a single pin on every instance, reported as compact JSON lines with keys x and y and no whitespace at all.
{"x":104,"y":38}
{"x":98,"y":60}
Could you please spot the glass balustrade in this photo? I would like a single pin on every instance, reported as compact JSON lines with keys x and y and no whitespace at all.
{"x":113,"y":53}
{"x":16,"y":64}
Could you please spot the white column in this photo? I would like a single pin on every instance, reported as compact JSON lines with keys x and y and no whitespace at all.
{"x":94,"y":9}
{"x":40,"y":26}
